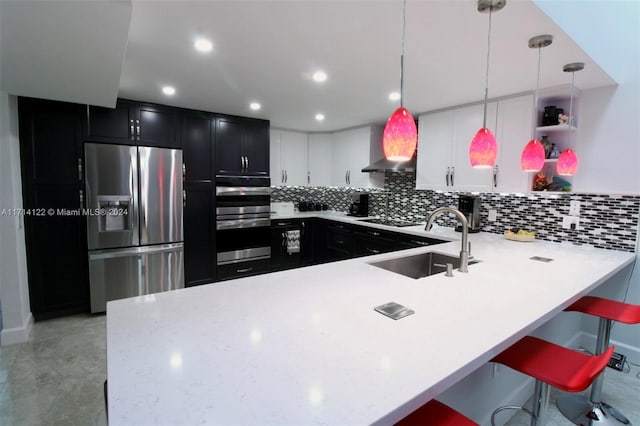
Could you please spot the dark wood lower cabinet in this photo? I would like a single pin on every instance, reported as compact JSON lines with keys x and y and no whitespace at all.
{"x":55,"y":231}
{"x":199,"y":234}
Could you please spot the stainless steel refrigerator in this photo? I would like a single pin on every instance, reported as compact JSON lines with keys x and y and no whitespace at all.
{"x":134,"y":221}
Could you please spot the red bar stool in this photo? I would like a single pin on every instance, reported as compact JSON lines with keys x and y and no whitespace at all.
{"x":592,"y":411}
{"x":550,"y":364}
{"x":437,"y":414}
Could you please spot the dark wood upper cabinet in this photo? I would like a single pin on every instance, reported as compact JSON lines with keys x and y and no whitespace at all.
{"x":242,"y":147}
{"x":159,"y":126}
{"x":198,"y":146}
{"x":133,"y":123}
{"x":52,"y":183}
{"x":111,"y":125}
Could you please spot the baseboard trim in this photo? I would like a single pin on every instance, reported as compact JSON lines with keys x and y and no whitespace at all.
{"x":11,"y":336}
{"x":588,"y":341}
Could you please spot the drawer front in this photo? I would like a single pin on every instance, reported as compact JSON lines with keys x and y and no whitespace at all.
{"x":242,"y":269}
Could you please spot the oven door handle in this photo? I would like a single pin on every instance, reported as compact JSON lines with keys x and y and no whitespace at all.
{"x":228,"y":191}
{"x":242,"y":223}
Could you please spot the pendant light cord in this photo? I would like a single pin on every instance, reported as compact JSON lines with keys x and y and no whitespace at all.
{"x":404,"y":23}
{"x":486,"y":76}
{"x":535,"y":96}
{"x":573,"y":76}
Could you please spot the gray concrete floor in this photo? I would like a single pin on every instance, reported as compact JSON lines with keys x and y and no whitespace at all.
{"x":56,"y":378}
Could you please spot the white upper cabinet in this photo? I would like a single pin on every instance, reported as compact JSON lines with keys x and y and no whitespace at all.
{"x":443,"y":149}
{"x":319,"y":159}
{"x":350,"y":153}
{"x":288,"y":158}
{"x":433,"y":167}
{"x":515,"y":129}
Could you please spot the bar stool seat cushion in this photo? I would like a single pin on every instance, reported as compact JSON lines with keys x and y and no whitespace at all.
{"x":556,"y":365}
{"x":606,"y":308}
{"x":437,"y":414}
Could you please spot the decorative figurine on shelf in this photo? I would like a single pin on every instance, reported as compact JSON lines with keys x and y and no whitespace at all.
{"x":541,"y":182}
{"x":555,"y":152}
{"x":565,"y":119}
{"x":547,"y":145}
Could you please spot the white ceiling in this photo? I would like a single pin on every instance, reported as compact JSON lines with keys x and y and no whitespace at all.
{"x":266,"y":51}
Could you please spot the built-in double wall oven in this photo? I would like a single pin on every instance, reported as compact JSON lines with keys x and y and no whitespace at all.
{"x":243,"y":239}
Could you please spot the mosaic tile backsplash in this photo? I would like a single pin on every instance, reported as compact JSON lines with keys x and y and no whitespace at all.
{"x":606,"y":221}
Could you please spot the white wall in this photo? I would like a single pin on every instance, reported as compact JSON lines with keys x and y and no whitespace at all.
{"x":14,"y":289}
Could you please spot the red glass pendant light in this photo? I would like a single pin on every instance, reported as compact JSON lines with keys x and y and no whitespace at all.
{"x":484,"y":149}
{"x":567,"y":163}
{"x":568,"y":160}
{"x":400,"y":136}
{"x":533,"y":154}
{"x":532,"y":158}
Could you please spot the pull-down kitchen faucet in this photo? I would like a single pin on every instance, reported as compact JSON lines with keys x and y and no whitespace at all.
{"x":464,"y":253}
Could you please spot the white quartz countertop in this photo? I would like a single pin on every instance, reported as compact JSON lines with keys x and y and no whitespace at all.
{"x":305,"y":347}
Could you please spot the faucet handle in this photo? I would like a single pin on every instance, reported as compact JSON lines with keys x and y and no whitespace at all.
{"x":449,"y":272}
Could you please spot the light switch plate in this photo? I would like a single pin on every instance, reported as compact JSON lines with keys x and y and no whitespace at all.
{"x":493,"y":215}
{"x":574,"y":208}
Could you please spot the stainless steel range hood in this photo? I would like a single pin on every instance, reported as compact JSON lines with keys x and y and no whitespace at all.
{"x":385,"y":165}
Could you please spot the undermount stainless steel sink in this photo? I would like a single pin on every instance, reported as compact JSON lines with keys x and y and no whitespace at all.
{"x":421,"y":265}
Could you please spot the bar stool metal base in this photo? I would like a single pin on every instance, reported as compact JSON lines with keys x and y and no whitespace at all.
{"x":580,"y":411}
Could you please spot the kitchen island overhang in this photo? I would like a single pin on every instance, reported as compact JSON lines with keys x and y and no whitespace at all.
{"x":305,"y":346}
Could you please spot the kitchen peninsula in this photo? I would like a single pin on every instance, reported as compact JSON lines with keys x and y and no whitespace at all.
{"x":305,"y":346}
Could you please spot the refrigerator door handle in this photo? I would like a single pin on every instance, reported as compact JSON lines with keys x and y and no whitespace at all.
{"x":133,"y":251}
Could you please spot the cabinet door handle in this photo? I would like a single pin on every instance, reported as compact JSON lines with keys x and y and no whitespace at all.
{"x":284,"y":239}
{"x":453,"y":172}
{"x":81,"y":193}
{"x":495,"y":176}
{"x":374,"y":251}
{"x":241,"y":271}
{"x":303,"y":228}
{"x":184,"y":171}
{"x":138,"y":129}
{"x":349,"y":177}
{"x":132,"y":133}
{"x":420,"y":243}
{"x":286,"y":176}
{"x":246,"y":160}
{"x":80,"y":169}
{"x":184,"y":198}
{"x":242,"y":163}
{"x":345,"y":177}
{"x":282,"y":176}
{"x":308,"y":176}
{"x":447,"y":175}
{"x":375,"y":234}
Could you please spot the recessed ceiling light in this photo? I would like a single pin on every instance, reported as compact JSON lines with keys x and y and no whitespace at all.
{"x":255,"y":106}
{"x":394,"y":96}
{"x":168,"y":90}
{"x":203,"y":45}
{"x":320,"y":117}
{"x":319,"y":76}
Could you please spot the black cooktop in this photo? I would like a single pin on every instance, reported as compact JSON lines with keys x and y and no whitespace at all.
{"x":390,"y":222}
